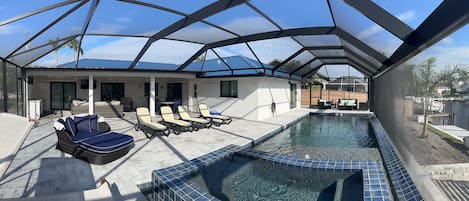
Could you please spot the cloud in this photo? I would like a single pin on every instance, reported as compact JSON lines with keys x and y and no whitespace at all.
{"x":123,"y":19}
{"x":108,"y":28}
{"x":12,"y":29}
{"x":407,"y":16}
{"x":375,"y":29}
{"x":256,"y":25}
{"x":448,"y":41}
{"x":121,"y":49}
{"x":444,"y":55}
{"x":202,"y":34}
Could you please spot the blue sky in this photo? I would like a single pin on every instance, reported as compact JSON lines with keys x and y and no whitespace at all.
{"x":114,"y":17}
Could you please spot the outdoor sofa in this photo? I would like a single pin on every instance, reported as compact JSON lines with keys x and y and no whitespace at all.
{"x":324,"y":104}
{"x":89,"y":137}
{"x":347,"y":104}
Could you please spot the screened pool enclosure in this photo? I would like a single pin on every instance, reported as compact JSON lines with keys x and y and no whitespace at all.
{"x":210,"y":38}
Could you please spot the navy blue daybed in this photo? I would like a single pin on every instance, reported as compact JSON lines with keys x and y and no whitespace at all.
{"x":88,"y":139}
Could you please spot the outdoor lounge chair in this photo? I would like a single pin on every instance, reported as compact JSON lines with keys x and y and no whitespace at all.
{"x":216,"y":119}
{"x":176,"y":125}
{"x":86,"y":138}
{"x":196,"y":122}
{"x":144,"y":121}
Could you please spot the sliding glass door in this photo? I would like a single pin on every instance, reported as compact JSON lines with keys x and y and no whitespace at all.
{"x":62,"y":94}
{"x":112,"y":91}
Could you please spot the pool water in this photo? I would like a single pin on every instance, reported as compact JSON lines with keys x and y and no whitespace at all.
{"x":243,"y":178}
{"x":339,"y":137}
{"x":349,"y":131}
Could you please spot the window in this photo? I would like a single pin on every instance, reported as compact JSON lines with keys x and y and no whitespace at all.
{"x":229,"y":88}
{"x":174,"y":91}
{"x":147,"y":89}
{"x":195,"y":91}
{"x":112,"y":91}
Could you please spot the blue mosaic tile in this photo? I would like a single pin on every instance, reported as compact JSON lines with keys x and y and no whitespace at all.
{"x":170,"y":183}
{"x":403,"y":185}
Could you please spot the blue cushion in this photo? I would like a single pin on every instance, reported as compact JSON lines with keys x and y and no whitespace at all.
{"x":83,"y":135}
{"x":94,"y":122}
{"x":83,"y":123}
{"x":107,"y":143}
{"x":70,"y":126}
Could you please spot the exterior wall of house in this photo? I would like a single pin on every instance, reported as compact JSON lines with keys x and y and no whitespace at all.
{"x":134,"y":88}
{"x":254,"y":101}
{"x":255,"y":96}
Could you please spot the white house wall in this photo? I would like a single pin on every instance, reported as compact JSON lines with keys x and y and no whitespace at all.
{"x":134,"y":88}
{"x":255,"y":96}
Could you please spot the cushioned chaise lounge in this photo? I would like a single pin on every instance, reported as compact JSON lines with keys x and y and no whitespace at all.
{"x":144,"y":121}
{"x":88,"y":139}
{"x":196,"y":122}
{"x":177,"y":125}
{"x":216,"y":119}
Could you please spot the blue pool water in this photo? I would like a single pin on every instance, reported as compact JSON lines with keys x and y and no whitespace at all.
{"x":339,"y":137}
{"x":346,"y":131}
{"x":243,"y":178}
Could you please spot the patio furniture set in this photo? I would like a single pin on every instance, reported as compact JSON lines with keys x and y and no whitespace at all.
{"x":90,"y":138}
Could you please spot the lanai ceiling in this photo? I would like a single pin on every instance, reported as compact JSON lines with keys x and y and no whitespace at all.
{"x":225,"y":37}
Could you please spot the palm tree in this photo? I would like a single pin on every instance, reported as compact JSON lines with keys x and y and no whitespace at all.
{"x":449,"y":79}
{"x":55,"y":44}
{"x":75,"y":46}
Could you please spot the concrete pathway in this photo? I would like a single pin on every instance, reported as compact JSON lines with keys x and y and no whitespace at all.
{"x":454,"y":131}
{"x":40,"y":170}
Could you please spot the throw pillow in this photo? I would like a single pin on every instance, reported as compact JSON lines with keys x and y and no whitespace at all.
{"x":70,"y":126}
{"x":83,"y":123}
{"x":94,"y":122}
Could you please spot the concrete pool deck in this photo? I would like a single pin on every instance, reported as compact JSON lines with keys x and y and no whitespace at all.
{"x":38,"y":169}
{"x":454,"y":131}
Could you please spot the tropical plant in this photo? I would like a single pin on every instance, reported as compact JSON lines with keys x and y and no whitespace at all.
{"x":73,"y":44}
{"x":55,"y":44}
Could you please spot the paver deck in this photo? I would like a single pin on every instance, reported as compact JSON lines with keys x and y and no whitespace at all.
{"x":454,"y":131}
{"x":40,"y":170}
{"x":13,"y":130}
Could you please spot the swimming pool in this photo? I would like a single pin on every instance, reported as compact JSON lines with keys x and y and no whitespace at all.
{"x":198,"y":179}
{"x":243,"y":178}
{"x":331,"y":136}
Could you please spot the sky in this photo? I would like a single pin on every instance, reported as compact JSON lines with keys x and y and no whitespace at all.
{"x":114,"y":17}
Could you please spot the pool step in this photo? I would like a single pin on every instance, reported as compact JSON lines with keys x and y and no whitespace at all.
{"x":339,"y":185}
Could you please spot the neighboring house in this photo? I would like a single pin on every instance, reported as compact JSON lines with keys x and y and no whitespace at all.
{"x":348,"y":83}
{"x":440,"y":90}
